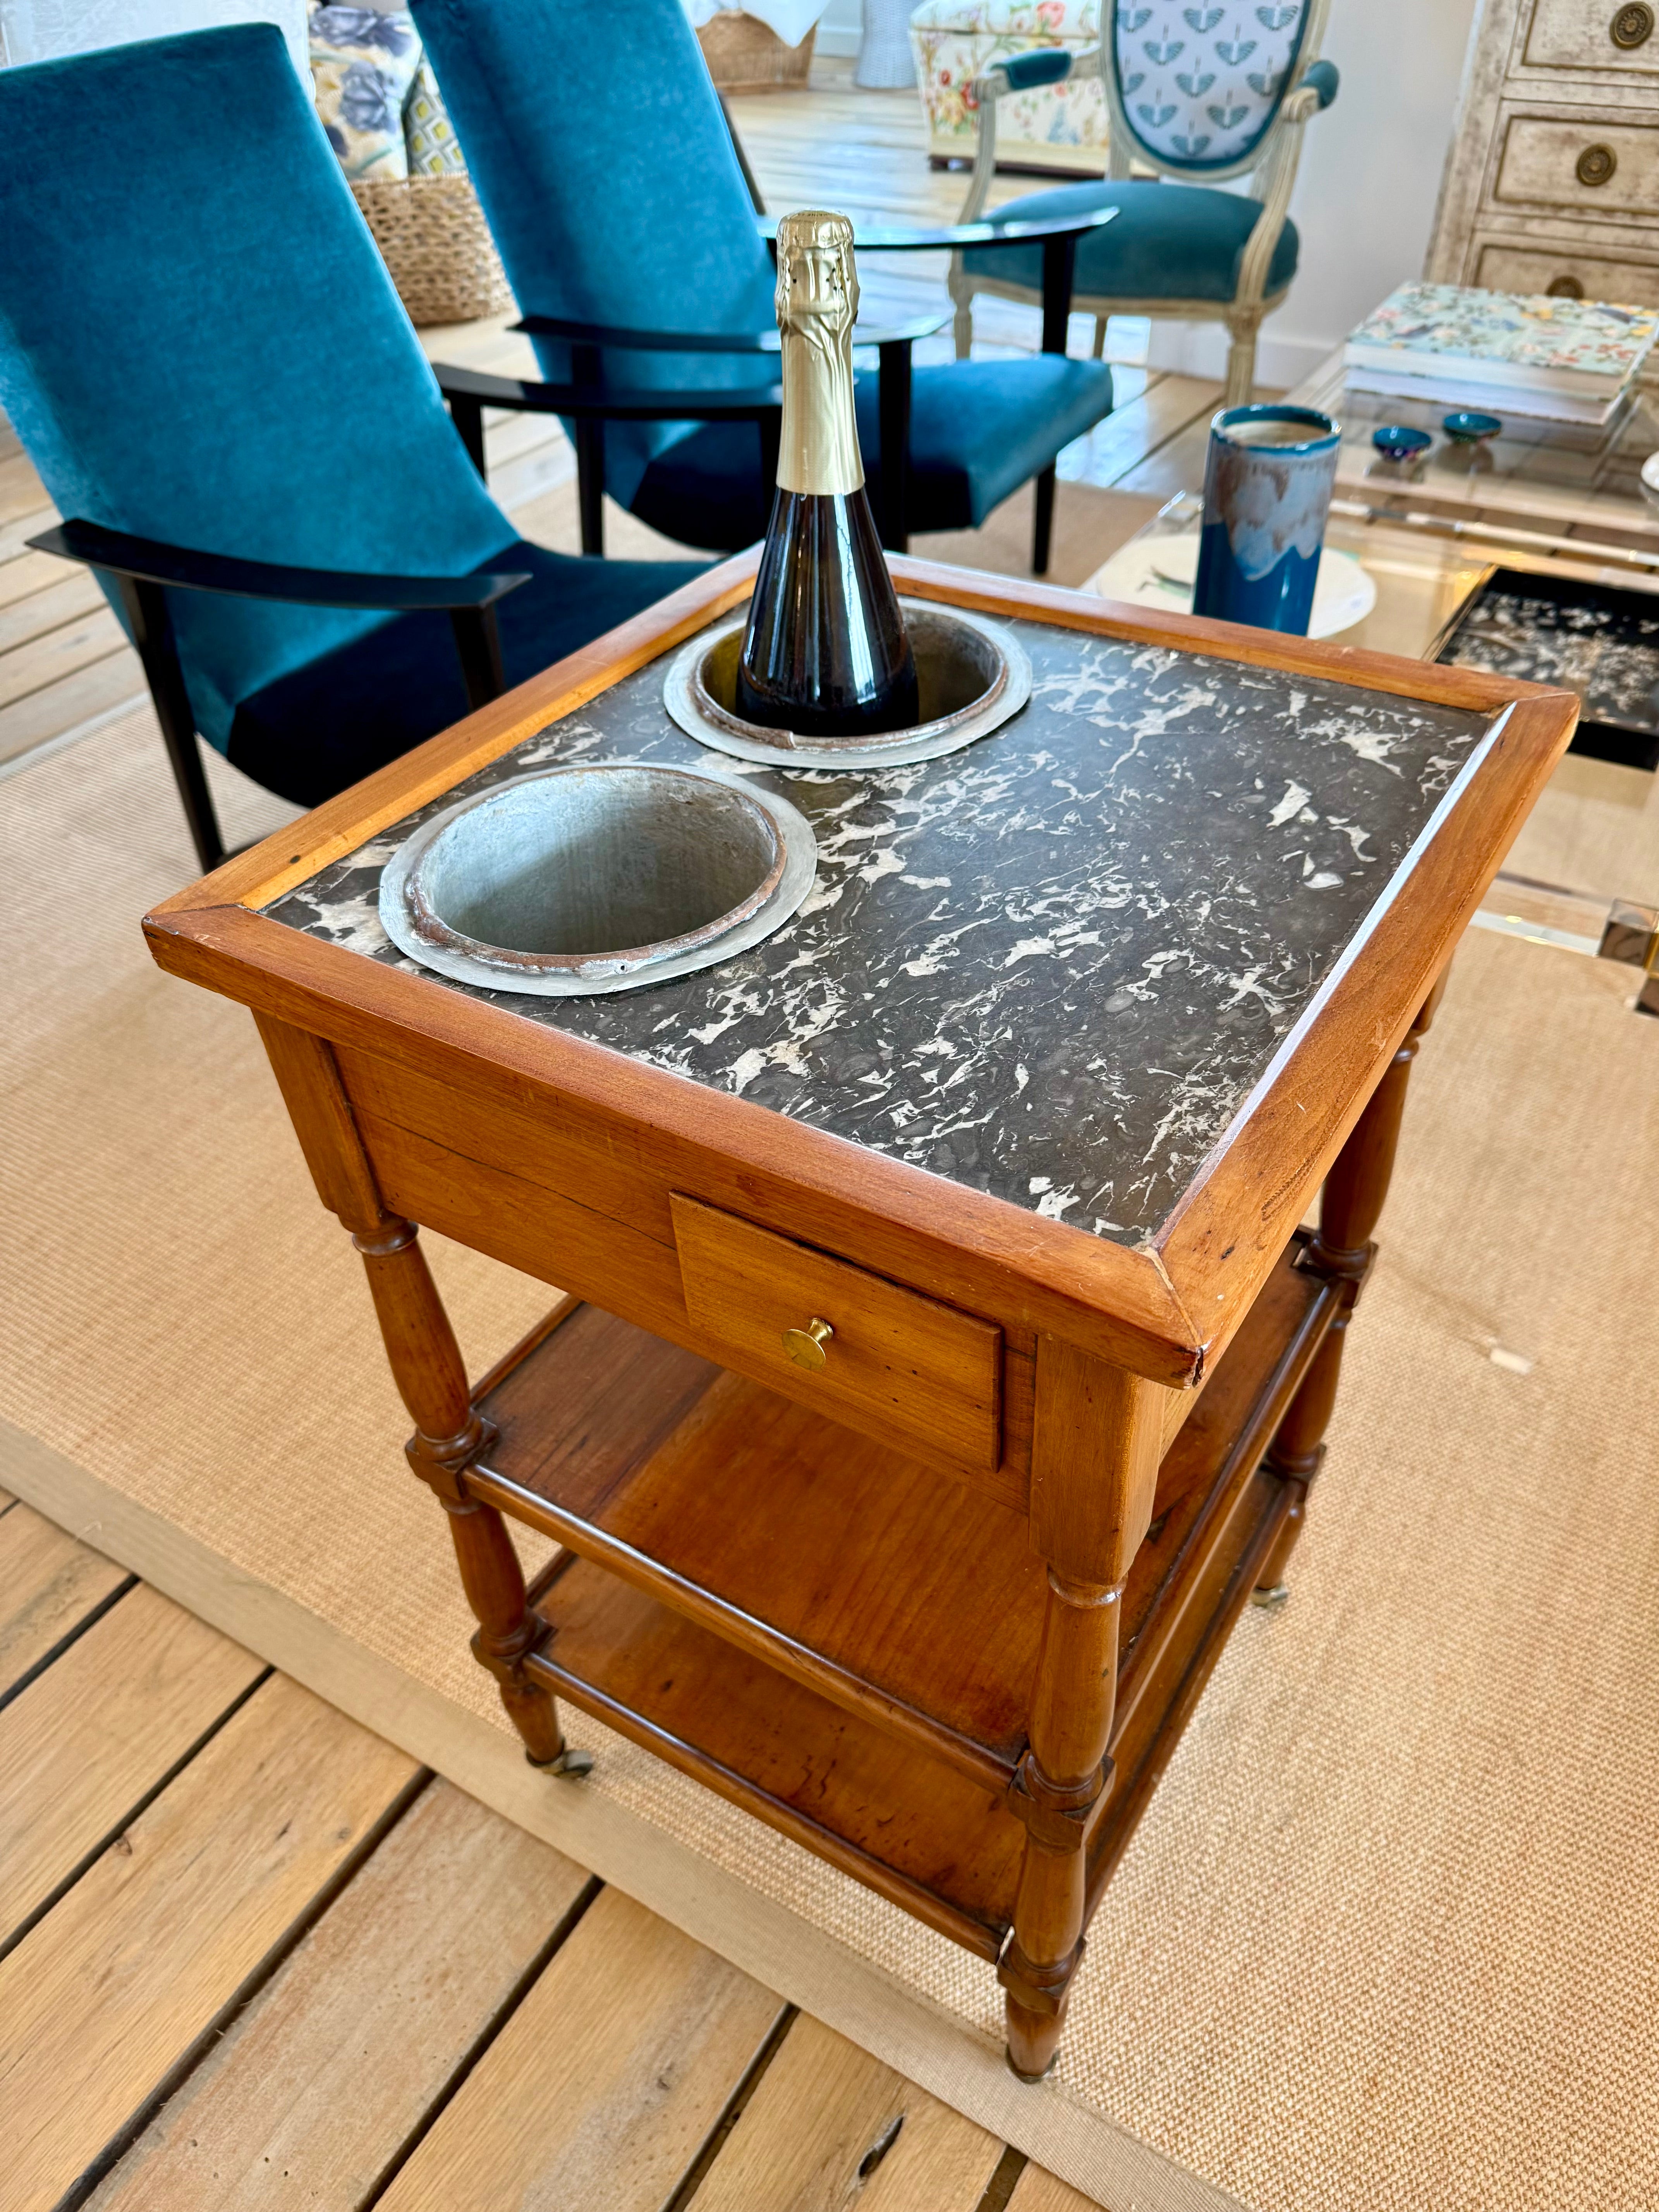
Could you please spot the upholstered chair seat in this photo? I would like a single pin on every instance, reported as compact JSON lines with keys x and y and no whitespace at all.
{"x":1170,"y":241}
{"x":345,"y":712}
{"x":613,"y":190}
{"x":976,"y":436}
{"x":202,"y":351}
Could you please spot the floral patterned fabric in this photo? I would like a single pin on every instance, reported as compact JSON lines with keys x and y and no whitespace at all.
{"x":955,"y":41}
{"x":1200,"y":85}
{"x":364,"y":62}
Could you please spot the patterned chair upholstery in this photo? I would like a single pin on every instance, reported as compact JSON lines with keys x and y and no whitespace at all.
{"x":1194,"y":95}
{"x":1060,"y":125}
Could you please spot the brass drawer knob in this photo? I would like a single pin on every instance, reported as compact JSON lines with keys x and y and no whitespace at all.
{"x":805,"y":1345}
{"x":1595,"y":165}
{"x":1632,"y":26}
{"x":1565,"y":288}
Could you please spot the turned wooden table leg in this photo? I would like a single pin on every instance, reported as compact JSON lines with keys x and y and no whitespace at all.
{"x":1062,"y":1779}
{"x":1350,"y":1207}
{"x":426,"y":1365}
{"x":1094,"y":1474}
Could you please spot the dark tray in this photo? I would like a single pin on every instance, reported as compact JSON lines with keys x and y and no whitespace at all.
{"x":1593,"y":639}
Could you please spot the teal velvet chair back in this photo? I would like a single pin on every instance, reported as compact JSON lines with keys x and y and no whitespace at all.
{"x":1199,"y":87}
{"x":596,"y":143}
{"x":199,"y":343}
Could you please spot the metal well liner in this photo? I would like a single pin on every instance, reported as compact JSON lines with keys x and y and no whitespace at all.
{"x":600,"y":877}
{"x":974,"y":676}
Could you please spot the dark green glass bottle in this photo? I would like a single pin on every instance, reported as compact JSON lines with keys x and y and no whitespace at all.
{"x":825,"y":654}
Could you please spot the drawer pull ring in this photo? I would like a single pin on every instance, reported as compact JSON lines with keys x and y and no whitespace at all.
{"x":805,"y":1345}
{"x":1632,"y":26}
{"x":1597,"y":164}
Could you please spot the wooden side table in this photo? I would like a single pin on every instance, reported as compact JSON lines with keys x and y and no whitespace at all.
{"x":1006,"y":1137}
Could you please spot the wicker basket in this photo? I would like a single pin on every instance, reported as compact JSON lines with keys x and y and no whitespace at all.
{"x":433,"y":237}
{"x":745,"y":56}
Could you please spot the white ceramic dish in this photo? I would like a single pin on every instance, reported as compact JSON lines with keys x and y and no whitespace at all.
{"x":1159,"y":572}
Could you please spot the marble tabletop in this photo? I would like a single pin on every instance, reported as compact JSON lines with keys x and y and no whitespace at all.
{"x":1051,"y":967}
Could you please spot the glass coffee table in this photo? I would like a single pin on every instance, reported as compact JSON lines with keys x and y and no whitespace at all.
{"x":1394,"y":590}
{"x":1542,"y":499}
{"x":1550,"y":497}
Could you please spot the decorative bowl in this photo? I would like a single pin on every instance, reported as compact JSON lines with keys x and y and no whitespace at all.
{"x":1466,"y":428}
{"x":1396,"y":442}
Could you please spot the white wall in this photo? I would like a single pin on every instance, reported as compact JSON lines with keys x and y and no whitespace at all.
{"x":41,"y":30}
{"x":1365,"y":195}
{"x":839,"y":26}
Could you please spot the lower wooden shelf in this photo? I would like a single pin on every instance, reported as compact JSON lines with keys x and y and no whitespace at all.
{"x":843,"y":1641}
{"x":908,"y":1826}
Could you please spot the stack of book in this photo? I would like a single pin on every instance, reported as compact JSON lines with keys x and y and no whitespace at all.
{"x":1560,"y":361}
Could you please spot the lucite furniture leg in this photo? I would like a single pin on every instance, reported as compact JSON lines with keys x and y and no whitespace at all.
{"x":1094,"y":1472}
{"x":426,"y":1365}
{"x":1350,"y":1207}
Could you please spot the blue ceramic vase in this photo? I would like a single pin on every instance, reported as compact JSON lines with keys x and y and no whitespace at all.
{"x":1267,"y":484}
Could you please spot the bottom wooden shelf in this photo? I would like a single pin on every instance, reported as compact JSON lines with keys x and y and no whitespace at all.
{"x":840,"y":1641}
{"x":908,"y":1826}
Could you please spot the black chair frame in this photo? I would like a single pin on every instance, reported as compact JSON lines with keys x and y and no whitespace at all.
{"x":589,"y":401}
{"x":142,"y":571}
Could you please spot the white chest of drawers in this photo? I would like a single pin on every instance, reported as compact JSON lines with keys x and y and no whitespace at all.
{"x":1552,"y":181}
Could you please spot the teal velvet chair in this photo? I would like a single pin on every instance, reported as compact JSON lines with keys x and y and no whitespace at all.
{"x":1197,"y":95}
{"x":598,"y":147}
{"x":205,"y":358}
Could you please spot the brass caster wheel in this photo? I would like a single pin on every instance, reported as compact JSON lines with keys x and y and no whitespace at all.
{"x":1270,"y":1596}
{"x":570,"y":1765}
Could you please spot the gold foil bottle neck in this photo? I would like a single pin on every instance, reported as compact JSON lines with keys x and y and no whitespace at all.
{"x":818,"y":303}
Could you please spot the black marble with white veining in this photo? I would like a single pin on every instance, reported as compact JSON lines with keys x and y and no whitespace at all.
{"x":1050,"y":967}
{"x":1596,"y":640}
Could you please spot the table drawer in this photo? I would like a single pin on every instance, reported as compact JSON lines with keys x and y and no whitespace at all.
{"x":891,"y":1360}
{"x":1504,"y":267}
{"x":1589,"y":165}
{"x":1598,"y":34}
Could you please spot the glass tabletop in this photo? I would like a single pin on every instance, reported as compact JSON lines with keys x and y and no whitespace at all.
{"x":1541,"y":487}
{"x":1419,"y":578}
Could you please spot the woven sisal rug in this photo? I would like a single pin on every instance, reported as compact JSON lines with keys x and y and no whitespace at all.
{"x":1389,"y":1934}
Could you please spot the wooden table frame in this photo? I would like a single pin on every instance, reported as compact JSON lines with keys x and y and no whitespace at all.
{"x":415,"y":1102}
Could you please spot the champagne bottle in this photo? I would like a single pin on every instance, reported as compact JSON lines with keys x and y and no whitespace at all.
{"x":825,"y":654}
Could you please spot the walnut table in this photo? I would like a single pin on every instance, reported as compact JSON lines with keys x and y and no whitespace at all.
{"x":1027,"y":1104}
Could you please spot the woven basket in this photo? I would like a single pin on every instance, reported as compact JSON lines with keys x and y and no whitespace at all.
{"x":745,"y":56}
{"x":433,"y":237}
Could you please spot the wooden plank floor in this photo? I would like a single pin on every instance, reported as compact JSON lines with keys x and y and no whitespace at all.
{"x":252,"y":1957}
{"x":65,"y":666}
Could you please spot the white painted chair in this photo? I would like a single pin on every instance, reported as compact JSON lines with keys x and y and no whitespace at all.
{"x":1195,"y":96}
